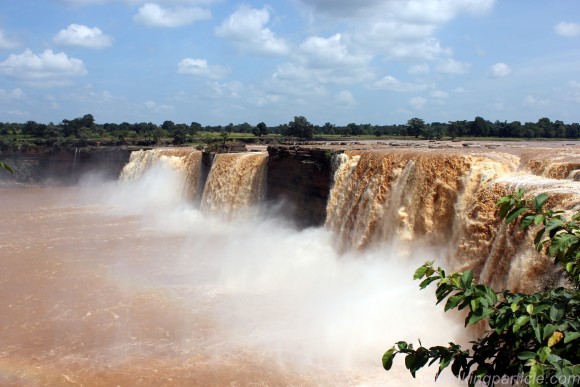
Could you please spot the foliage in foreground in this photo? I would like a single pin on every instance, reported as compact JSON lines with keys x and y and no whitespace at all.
{"x":6,"y":166}
{"x":530,"y":338}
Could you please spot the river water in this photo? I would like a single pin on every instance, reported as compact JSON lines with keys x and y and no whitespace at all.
{"x":127,"y":283}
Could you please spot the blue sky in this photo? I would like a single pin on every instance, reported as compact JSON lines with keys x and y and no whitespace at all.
{"x":339,"y":61}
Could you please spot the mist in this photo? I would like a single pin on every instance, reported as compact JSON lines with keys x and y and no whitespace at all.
{"x":270,"y":292}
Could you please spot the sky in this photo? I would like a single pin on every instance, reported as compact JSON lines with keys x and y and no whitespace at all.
{"x":218,"y":61}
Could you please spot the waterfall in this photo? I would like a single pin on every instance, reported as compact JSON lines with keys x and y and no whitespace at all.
{"x":446,"y":200}
{"x":403,"y":199}
{"x":235,"y":182}
{"x":185,"y":161}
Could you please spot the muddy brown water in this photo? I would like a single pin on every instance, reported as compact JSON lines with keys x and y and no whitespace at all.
{"x":94,"y":297}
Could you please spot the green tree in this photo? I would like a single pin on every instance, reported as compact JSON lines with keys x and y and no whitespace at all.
{"x":260,"y":130}
{"x":415,"y":126}
{"x":168,"y":125}
{"x":301,"y":128}
{"x":180,"y":134}
{"x":532,"y":338}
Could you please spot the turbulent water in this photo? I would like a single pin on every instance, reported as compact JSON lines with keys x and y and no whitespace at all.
{"x":153,"y":281}
{"x":446,"y":200}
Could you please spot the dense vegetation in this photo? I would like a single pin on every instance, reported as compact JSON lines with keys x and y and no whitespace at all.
{"x":531,"y":339}
{"x":84,"y":130}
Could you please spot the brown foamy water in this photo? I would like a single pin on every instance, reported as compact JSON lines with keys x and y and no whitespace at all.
{"x":105,"y":287}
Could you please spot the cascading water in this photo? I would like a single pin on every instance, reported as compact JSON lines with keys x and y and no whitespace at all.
{"x":185,"y":161}
{"x":446,"y":199}
{"x":235,"y":183}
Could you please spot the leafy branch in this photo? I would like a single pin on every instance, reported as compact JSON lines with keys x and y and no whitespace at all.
{"x":531,"y":335}
{"x":6,"y":166}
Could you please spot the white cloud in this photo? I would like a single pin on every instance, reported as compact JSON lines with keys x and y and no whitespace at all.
{"x":158,"y":108}
{"x":45,"y":69}
{"x":417,"y":102}
{"x":80,"y":35}
{"x":393,"y":84}
{"x":452,"y":66}
{"x":153,"y":15}
{"x":567,"y":29}
{"x":397,"y":28}
{"x":319,"y":61}
{"x":246,"y":29}
{"x":500,"y":70}
{"x":318,"y":52}
{"x":345,"y":98}
{"x":200,"y":67}
{"x":432,"y":11}
{"x":7,"y":43}
{"x":419,"y":69}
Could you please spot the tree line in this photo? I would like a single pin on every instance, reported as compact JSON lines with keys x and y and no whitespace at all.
{"x":84,"y":129}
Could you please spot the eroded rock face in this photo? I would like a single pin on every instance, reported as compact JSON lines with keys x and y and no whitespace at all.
{"x":64,"y":166}
{"x":300,"y":178}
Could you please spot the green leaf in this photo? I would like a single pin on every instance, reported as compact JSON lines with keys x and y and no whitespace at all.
{"x":520,"y":322}
{"x":515,"y":213}
{"x":526,"y":355}
{"x":539,"y":219}
{"x":536,"y":370}
{"x":410,"y":362}
{"x":570,"y":336}
{"x":453,"y":301}
{"x":561,"y":243}
{"x":388,"y":358}
{"x":420,"y":272}
{"x":467,"y":278}
{"x":530,"y":308}
{"x":544,"y":352}
{"x":527,"y":221}
{"x":6,"y":167}
{"x":554,"y":223}
{"x":540,"y":200}
{"x":557,"y":312}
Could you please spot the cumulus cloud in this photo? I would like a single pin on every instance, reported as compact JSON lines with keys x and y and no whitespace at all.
{"x":5,"y":42}
{"x":321,"y":60}
{"x":45,"y":69}
{"x":345,"y":98}
{"x":83,"y":36}
{"x":246,"y":29}
{"x":500,"y":70}
{"x":398,"y":28}
{"x":158,"y":108}
{"x":452,"y":66}
{"x":433,"y":11}
{"x":393,"y":84}
{"x":567,"y":29}
{"x":153,"y":15}
{"x":200,"y":68}
{"x":319,"y":52}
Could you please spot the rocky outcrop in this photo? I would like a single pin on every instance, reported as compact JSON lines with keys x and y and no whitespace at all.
{"x":64,"y":166}
{"x":300,"y":179}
